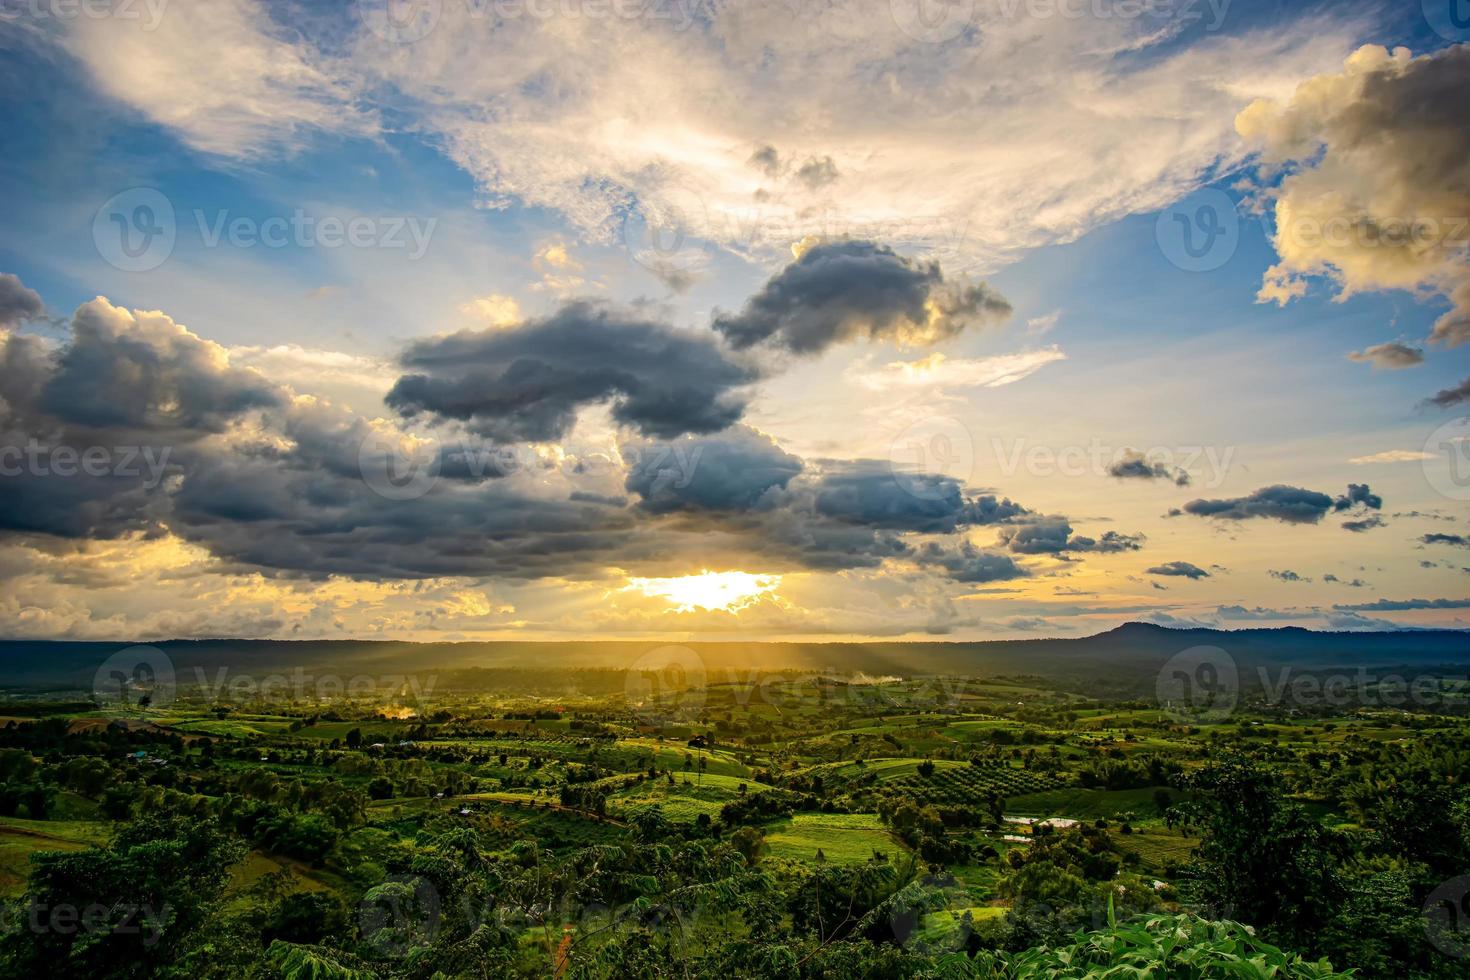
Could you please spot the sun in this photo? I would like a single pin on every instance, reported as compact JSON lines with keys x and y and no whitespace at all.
{"x":707,"y":590}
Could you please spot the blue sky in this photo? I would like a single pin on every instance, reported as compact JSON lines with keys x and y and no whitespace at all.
{"x":504,"y":169}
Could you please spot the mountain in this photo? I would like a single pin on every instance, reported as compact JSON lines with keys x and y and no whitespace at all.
{"x":1130,"y":655}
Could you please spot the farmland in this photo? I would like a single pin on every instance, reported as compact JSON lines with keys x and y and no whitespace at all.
{"x":981,"y":799}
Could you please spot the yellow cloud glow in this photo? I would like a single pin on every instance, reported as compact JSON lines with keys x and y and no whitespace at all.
{"x":707,"y":590}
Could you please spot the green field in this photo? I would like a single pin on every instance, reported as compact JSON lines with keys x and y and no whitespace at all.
{"x":843,"y":838}
{"x":19,"y":839}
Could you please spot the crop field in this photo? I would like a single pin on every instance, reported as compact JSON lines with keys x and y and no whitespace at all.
{"x":19,"y":839}
{"x":842,"y":838}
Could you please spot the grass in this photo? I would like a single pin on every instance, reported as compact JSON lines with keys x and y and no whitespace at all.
{"x":19,"y":839}
{"x":257,"y":865}
{"x":681,"y":803}
{"x":843,"y":838}
{"x":1155,"y":847}
{"x":942,"y":928}
{"x":1087,"y":804}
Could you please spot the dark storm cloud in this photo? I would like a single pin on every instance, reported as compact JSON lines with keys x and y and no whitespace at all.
{"x":1455,"y":539}
{"x":1179,"y":569}
{"x":1053,"y":536}
{"x":267,"y":481}
{"x":872,"y":493}
{"x":1358,"y":494}
{"x":842,"y":514}
{"x":968,"y":564}
{"x":1135,"y":466}
{"x":730,"y":471}
{"x":93,"y":435}
{"x":1041,"y":538}
{"x":1450,"y":397}
{"x":1392,"y":356}
{"x":1292,"y":505}
{"x":528,"y":383}
{"x":18,"y":303}
{"x":1111,"y":542}
{"x":147,"y":374}
{"x":846,"y":290}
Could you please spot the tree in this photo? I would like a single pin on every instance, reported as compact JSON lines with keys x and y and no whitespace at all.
{"x":1263,"y":860}
{"x":123,"y":911}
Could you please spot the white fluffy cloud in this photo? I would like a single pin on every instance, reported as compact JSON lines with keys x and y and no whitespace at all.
{"x":938,"y":371}
{"x":223,"y":75}
{"x":767,"y":122}
{"x":1379,"y":197}
{"x":749,"y":126}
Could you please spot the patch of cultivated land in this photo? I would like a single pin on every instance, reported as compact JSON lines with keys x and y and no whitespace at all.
{"x":19,"y":839}
{"x":843,"y":838}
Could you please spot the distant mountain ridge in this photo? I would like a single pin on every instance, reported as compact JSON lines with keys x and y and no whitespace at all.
{"x":1131,"y":651}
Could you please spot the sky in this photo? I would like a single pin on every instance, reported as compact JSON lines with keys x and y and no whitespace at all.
{"x":802,"y":319}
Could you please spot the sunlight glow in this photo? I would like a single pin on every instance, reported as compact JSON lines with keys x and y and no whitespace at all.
{"x":708,"y":590}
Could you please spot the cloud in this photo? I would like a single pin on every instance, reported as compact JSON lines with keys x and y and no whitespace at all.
{"x":874,"y":494}
{"x":836,"y":292}
{"x":578,"y":118}
{"x":18,"y":303}
{"x":1355,"y":621}
{"x":1134,"y":466}
{"x":1160,"y":618}
{"x":1356,"y":583}
{"x":731,"y":471}
{"x":1391,"y":357}
{"x":142,"y":372}
{"x":1053,"y":536}
{"x":1287,"y":575}
{"x":1392,"y":456}
{"x":1292,"y":505}
{"x":1179,"y":569}
{"x":1364,"y":524}
{"x":528,"y":383}
{"x":1039,"y":325}
{"x":966,"y":563}
{"x":1358,"y":494}
{"x":938,"y":371}
{"x":1378,"y":193}
{"x":1256,"y":614}
{"x":1404,"y":605}
{"x":1454,"y":539}
{"x":224,"y":77}
{"x":260,"y":478}
{"x":1450,"y":397}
